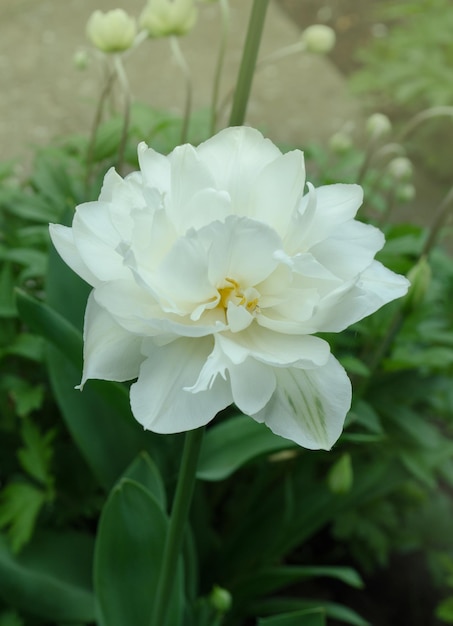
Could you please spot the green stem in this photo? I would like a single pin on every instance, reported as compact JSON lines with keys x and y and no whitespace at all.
{"x":225,"y":9}
{"x":122,"y":78}
{"x":178,"y":521}
{"x":181,"y":61}
{"x":248,"y":62}
{"x":94,"y":129}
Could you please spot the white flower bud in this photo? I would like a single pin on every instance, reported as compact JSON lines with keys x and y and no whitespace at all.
{"x":377,"y":125}
{"x":340,"y":142}
{"x":113,"y":31}
{"x":400,"y":168}
{"x":162,"y":18}
{"x":319,"y":38}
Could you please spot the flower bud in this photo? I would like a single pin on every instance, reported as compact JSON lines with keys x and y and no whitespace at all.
{"x":340,"y":143}
{"x":113,"y":31}
{"x":378,"y":125}
{"x":405,"y":193}
{"x":80,"y":59}
{"x":420,"y":279}
{"x":400,"y":168}
{"x":220,"y":599}
{"x":162,"y":18}
{"x":341,"y":476}
{"x":319,"y":38}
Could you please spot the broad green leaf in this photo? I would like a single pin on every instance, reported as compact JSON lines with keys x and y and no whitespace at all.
{"x":233,"y":443}
{"x":7,"y":304}
{"x":305,"y":617}
{"x":10,"y":618}
{"x":98,"y":418}
{"x":128,"y":558}
{"x":27,"y":346}
{"x":143,"y":470}
{"x":50,"y":578}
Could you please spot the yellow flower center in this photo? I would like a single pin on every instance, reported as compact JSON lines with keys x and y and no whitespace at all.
{"x":232,"y":292}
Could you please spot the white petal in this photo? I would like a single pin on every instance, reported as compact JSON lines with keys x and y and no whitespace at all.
{"x":278,"y":190}
{"x":350,"y":250}
{"x":63,"y":240}
{"x":155,"y":168}
{"x":252,"y":385}
{"x":160,"y":399}
{"x":240,"y":249}
{"x":274,"y":348}
{"x":375,"y":287}
{"x":110,"y":352}
{"x":309,"y":406}
{"x":97,"y":239}
{"x":235,"y":156}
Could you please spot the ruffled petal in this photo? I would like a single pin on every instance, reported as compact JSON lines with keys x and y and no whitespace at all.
{"x":309,"y":407}
{"x":63,"y":240}
{"x":110,"y":352}
{"x":161,"y":400}
{"x":235,"y":157}
{"x":97,"y":240}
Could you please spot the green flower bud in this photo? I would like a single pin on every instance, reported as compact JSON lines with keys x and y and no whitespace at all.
{"x":340,"y":143}
{"x":220,"y":599}
{"x":341,"y":475}
{"x":400,"y":168}
{"x":162,"y":18}
{"x":81,"y":59}
{"x":113,"y":31}
{"x":405,"y":193}
{"x":378,"y":125}
{"x":319,"y":38}
{"x":420,"y":279}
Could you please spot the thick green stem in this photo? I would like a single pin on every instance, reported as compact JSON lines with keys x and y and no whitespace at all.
{"x":248,"y":62}
{"x":119,"y":67}
{"x":178,"y":522}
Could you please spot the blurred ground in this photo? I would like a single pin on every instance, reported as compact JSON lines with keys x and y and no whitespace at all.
{"x":42,"y":95}
{"x":296,"y":100}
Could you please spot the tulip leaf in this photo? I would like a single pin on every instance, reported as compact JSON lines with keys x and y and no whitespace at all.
{"x":50,"y":578}
{"x":233,"y":443}
{"x":332,"y":610}
{"x":143,"y":470}
{"x":128,"y":558}
{"x":99,"y":419}
{"x":305,"y":617}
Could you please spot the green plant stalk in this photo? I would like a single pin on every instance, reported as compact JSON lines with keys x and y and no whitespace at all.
{"x":183,"y":65}
{"x":96,"y":122}
{"x":122,"y":79}
{"x":225,"y":10}
{"x":248,"y":62}
{"x":178,"y":521}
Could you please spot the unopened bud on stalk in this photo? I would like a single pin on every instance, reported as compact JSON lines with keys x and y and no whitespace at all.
{"x":378,"y":125}
{"x":340,"y":142}
{"x":162,"y":18}
{"x":80,"y":59}
{"x":405,"y":193}
{"x":420,"y":279}
{"x":319,"y":38}
{"x":400,"y":168}
{"x":220,"y":599}
{"x":113,"y":31}
{"x":341,"y":476}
